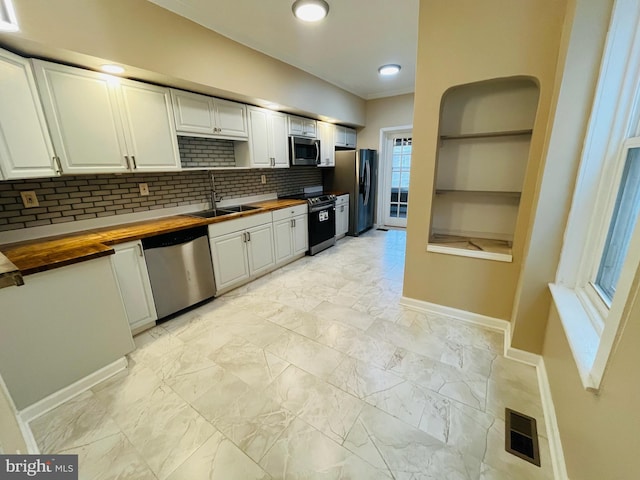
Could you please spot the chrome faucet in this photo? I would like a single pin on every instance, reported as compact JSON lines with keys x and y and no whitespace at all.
{"x":214,"y":196}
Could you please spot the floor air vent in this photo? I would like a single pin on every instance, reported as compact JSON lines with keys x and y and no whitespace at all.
{"x":521,"y":436}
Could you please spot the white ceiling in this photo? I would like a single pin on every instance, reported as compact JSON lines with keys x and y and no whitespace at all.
{"x":345,"y":49}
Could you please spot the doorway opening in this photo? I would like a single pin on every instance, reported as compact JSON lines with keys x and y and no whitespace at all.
{"x":396,"y":167}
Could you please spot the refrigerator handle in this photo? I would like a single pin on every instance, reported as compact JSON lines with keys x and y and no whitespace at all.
{"x":367,"y":181}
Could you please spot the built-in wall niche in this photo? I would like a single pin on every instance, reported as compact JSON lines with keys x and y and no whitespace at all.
{"x":483,"y":151}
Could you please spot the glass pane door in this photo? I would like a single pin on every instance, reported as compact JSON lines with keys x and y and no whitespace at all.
{"x":399,"y":191}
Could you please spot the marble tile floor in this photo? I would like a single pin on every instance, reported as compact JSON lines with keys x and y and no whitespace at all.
{"x":313,"y":371}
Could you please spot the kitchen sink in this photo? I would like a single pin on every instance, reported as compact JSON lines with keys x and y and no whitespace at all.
{"x":209,"y":213}
{"x":239,"y":208}
{"x":219,"y":212}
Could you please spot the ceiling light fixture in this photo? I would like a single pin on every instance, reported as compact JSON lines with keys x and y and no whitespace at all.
{"x":115,"y":69}
{"x":390,"y":69}
{"x":310,"y":10}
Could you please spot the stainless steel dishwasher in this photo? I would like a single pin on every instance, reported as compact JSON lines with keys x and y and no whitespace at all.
{"x":180,"y":269}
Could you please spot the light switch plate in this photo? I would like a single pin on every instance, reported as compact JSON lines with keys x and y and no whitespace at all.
{"x":144,"y":189}
{"x":29,"y":199}
{"x":263,"y":179}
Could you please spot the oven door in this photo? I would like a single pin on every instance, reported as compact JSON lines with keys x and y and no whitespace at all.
{"x":322,"y":227}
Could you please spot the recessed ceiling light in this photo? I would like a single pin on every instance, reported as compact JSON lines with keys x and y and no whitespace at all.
{"x":116,"y":69}
{"x":310,"y":10}
{"x":387,"y":70}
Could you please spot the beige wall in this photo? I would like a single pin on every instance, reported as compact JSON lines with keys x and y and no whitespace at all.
{"x":163,"y":47}
{"x":464,"y":42}
{"x":584,"y":35}
{"x":383,"y":113}
{"x":599,"y":432}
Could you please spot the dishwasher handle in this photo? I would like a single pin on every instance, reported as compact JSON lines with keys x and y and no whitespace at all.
{"x":174,"y":238}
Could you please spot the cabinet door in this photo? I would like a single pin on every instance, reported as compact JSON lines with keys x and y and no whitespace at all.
{"x":260,"y":155}
{"x":283,"y":235}
{"x":350,"y":137}
{"x":25,"y":145}
{"x":296,"y":125}
{"x":279,"y":143}
{"x":342,"y":219}
{"x":230,"y":118}
{"x":192,"y":112}
{"x":81,"y":108}
{"x":327,"y":150}
{"x":151,"y":136}
{"x":300,"y":234}
{"x":340,"y":136}
{"x":309,"y":128}
{"x":260,"y":248}
{"x":229,"y":255}
{"x":133,"y":282}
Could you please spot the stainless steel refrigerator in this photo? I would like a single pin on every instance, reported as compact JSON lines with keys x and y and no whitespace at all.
{"x":356,"y":173}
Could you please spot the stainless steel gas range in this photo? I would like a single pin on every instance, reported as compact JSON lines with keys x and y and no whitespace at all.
{"x":322,"y":218}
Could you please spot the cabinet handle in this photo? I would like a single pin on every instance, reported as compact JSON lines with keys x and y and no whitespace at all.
{"x":58,"y":165}
{"x":126,"y":157}
{"x":135,"y":166}
{"x":244,"y":237}
{"x":248,"y":236}
{"x":294,"y":223}
{"x":140,"y":250}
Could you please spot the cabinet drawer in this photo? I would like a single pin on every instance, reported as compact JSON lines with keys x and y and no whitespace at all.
{"x":289,"y":212}
{"x":234,"y":225}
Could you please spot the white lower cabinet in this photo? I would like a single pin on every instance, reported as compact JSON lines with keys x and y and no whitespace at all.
{"x":342,"y":215}
{"x":229,"y":254}
{"x":241,"y":249}
{"x":291,"y":232}
{"x":133,"y":282}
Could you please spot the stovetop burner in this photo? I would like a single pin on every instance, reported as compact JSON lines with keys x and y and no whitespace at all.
{"x":314,"y":196}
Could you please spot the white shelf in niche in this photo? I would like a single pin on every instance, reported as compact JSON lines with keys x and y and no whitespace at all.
{"x":484,"y":248}
{"x":497,"y":193}
{"x":504,"y":133}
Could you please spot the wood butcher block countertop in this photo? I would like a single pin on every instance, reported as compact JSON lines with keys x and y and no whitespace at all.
{"x":43,"y":254}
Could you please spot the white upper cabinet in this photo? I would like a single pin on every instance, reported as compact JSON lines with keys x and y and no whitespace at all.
{"x":326,"y":132}
{"x":203,"y":116}
{"x":302,"y":127}
{"x":104,"y":124}
{"x":268,"y":138}
{"x":150,"y":133}
{"x":25,"y":145}
{"x":345,"y":137}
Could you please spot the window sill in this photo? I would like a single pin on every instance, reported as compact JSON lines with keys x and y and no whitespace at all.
{"x":583,"y":338}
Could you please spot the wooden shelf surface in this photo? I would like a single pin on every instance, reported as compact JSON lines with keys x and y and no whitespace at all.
{"x":443,"y":191}
{"x":505,"y":133}
{"x":491,"y":249}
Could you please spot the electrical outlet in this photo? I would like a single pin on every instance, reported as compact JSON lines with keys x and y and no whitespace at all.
{"x":29,"y":199}
{"x":263,"y":179}
{"x":144,"y":189}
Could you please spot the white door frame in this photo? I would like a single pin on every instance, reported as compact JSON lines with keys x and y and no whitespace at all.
{"x":384,"y":179}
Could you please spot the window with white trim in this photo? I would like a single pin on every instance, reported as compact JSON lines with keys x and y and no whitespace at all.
{"x":601,"y":250}
{"x":623,"y":221}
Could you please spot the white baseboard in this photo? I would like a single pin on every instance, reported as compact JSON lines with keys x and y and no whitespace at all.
{"x":57,"y":398}
{"x":523,"y":356}
{"x":462,"y":315}
{"x":551,"y":422}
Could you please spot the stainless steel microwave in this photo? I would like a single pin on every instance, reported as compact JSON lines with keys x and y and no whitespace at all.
{"x":304,"y":151}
